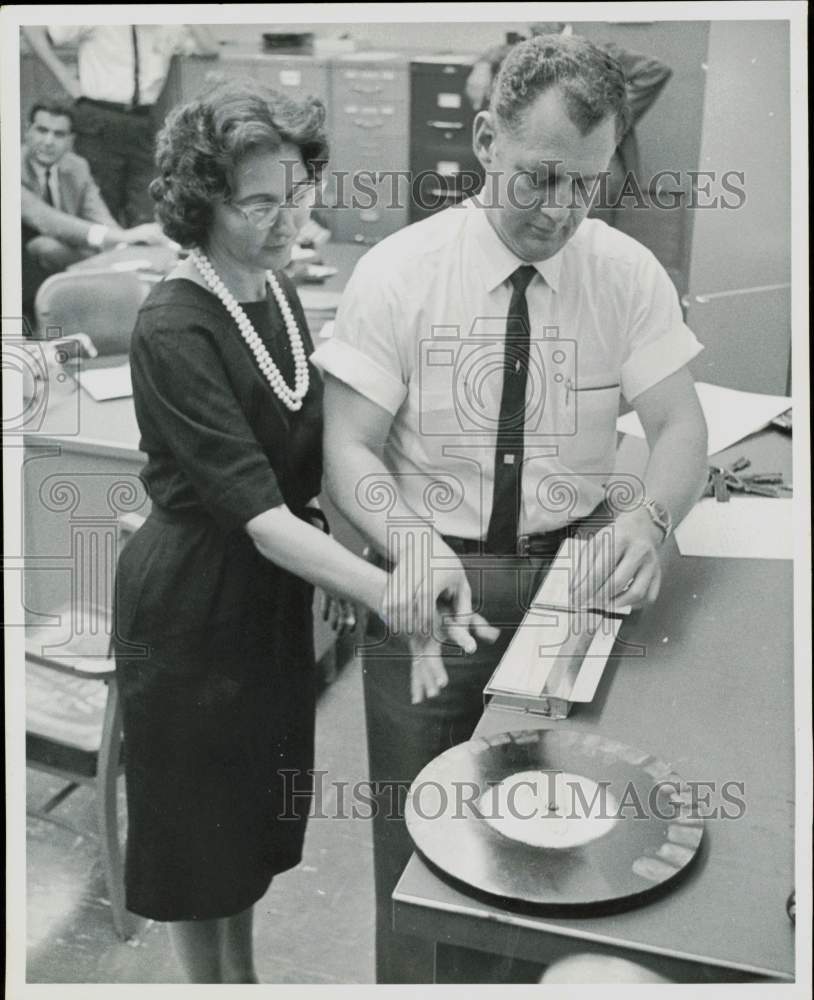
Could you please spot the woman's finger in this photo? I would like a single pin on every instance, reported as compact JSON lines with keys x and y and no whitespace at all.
{"x":426,"y":685}
{"x":349,"y":609}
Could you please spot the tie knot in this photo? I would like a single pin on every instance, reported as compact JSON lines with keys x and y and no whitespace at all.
{"x":521,"y":277}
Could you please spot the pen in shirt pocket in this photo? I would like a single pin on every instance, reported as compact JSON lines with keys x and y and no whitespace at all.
{"x":571,"y":386}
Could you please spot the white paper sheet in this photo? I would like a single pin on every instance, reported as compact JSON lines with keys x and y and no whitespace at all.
{"x":731,"y":415}
{"x":106,"y":383}
{"x":745,"y":528}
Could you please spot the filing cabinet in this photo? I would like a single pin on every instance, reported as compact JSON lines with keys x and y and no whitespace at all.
{"x":285,"y":73}
{"x":369,"y":137}
{"x":445,"y":170}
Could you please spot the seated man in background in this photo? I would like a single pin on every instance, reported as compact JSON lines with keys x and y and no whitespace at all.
{"x":64,"y":217}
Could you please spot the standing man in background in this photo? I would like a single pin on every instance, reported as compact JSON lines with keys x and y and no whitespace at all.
{"x":122,"y":72}
{"x":645,"y":78}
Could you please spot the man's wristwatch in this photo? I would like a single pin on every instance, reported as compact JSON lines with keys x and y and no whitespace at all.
{"x":660,"y":516}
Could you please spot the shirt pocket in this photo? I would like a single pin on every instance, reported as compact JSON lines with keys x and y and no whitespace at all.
{"x":591,"y":444}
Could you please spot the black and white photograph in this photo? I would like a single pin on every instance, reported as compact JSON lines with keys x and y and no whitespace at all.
{"x":407,"y":558}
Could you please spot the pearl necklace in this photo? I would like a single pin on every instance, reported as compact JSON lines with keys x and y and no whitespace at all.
{"x":291,"y":398}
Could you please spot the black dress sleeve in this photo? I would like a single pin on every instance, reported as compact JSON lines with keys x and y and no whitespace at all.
{"x":185,"y":400}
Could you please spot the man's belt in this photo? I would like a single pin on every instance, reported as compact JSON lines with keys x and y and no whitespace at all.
{"x":542,"y":544}
{"x":139,"y":109}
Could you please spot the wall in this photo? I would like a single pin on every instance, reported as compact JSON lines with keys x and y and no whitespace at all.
{"x":421,"y":36}
{"x":670,"y":133}
{"x":746,"y":127}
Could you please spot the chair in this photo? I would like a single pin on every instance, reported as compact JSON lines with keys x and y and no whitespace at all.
{"x":74,"y":728}
{"x":101,"y":304}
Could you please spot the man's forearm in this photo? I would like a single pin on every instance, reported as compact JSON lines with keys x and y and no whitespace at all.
{"x":367,"y":494}
{"x":677,"y":468}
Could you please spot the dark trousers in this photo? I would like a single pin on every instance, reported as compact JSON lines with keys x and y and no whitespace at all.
{"x":403,"y":738}
{"x":41,"y":257}
{"x":119,"y":145}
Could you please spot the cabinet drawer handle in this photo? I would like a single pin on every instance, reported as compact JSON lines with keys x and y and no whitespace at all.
{"x":367,"y":90}
{"x":457,"y":126}
{"x":367,"y":124}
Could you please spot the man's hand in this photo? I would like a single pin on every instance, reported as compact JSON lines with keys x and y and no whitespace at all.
{"x":149,"y":233}
{"x":620,"y":565}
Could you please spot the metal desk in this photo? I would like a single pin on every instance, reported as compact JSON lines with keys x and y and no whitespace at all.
{"x":713,"y":696}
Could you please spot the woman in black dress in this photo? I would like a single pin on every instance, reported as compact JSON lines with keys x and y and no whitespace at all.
{"x":214,"y":647}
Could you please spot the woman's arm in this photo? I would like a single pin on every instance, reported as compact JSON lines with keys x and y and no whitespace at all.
{"x":307,"y":552}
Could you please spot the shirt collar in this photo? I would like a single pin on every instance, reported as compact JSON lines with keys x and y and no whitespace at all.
{"x":39,"y":169}
{"x":496,"y":262}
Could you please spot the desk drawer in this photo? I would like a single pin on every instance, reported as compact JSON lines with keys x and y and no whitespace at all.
{"x":437,"y":92}
{"x":426,"y":155}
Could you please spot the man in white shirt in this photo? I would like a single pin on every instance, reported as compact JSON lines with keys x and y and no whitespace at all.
{"x":472,"y":391}
{"x":122,"y":71}
{"x":64,"y":217}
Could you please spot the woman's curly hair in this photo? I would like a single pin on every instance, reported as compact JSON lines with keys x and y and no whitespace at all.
{"x":202,"y":142}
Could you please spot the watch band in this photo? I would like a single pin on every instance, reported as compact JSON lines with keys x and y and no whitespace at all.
{"x":660,"y":516}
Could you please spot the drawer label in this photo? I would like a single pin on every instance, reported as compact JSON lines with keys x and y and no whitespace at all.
{"x":449,"y":100}
{"x":448,"y":167}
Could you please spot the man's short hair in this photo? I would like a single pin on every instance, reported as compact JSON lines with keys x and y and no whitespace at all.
{"x":591,"y":81}
{"x":53,"y":108}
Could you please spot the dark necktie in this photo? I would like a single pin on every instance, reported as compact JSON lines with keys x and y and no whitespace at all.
{"x":136,"y":80}
{"x":48,"y":194}
{"x":501,"y":538}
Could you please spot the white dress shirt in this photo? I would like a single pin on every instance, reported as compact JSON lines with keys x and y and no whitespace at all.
{"x":420,"y":332}
{"x":107,"y":59}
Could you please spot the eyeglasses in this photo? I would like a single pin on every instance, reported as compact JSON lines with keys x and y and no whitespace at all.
{"x":263,"y":215}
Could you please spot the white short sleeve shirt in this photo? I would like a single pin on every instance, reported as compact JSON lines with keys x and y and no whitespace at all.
{"x":106,"y":57}
{"x":420,"y":332}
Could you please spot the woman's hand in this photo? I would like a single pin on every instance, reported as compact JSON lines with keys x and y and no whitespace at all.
{"x":428,"y":595}
{"x":428,"y":675}
{"x":339,"y":613}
